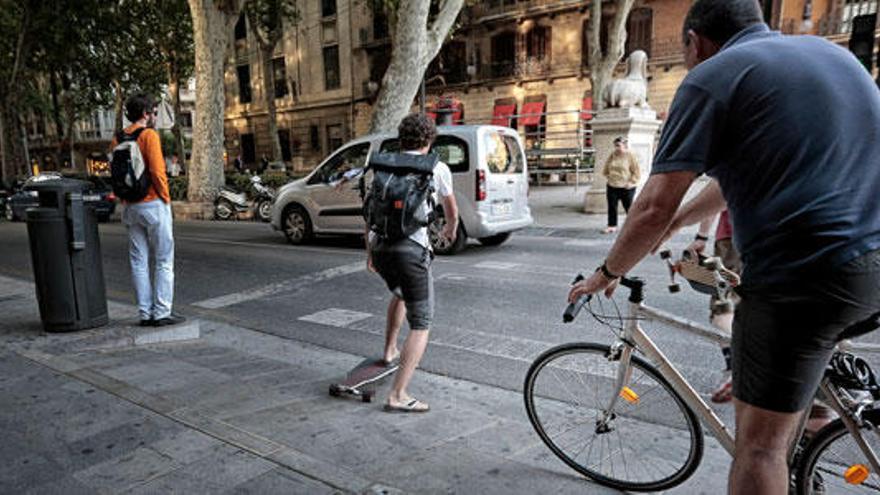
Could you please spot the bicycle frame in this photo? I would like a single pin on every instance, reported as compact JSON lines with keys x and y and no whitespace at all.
{"x":634,"y":337}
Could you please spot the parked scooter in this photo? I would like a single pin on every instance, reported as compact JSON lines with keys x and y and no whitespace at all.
{"x":229,"y":203}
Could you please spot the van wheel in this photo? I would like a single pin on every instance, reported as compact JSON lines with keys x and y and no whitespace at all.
{"x":297,"y":225}
{"x":494,"y":240}
{"x":443,"y":246}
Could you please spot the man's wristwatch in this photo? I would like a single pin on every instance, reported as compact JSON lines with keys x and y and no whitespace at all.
{"x":606,"y":273}
{"x":701,"y":237}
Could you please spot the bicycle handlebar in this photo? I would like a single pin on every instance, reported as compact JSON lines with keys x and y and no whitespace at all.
{"x":571,"y":311}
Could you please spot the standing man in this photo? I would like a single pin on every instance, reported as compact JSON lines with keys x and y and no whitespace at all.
{"x":149,"y":222}
{"x":622,"y":172}
{"x":405,"y":265}
{"x":789,"y":126}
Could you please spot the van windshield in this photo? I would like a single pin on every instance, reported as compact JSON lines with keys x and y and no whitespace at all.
{"x":503,"y":154}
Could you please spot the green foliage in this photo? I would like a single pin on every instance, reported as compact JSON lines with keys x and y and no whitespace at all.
{"x":267,"y":18}
{"x":177,"y":188}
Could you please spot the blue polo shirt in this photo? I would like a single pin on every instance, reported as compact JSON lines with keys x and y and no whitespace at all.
{"x":790,"y":128}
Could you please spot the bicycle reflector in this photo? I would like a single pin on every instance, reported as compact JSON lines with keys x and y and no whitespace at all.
{"x":629,"y":395}
{"x":856,"y":474}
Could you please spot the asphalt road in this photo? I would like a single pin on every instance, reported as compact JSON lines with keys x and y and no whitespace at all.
{"x":497,"y":308}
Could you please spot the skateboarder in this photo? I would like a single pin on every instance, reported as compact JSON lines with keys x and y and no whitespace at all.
{"x":405,"y":265}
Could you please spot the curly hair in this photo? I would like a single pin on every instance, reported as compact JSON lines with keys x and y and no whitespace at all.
{"x":416,"y":131}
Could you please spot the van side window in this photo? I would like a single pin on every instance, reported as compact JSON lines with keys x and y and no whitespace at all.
{"x":390,"y":146}
{"x":453,"y":152}
{"x":350,"y":158}
{"x":503,"y":154}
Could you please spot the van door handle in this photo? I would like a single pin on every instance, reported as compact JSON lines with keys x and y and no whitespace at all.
{"x":511,"y":181}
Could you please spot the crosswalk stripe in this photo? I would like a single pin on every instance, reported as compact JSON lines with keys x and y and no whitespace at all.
{"x":285,"y":286}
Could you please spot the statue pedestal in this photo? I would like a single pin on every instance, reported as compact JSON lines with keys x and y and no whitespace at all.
{"x":639,"y":126}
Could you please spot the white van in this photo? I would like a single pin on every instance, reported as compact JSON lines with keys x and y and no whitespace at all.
{"x":489,"y":173}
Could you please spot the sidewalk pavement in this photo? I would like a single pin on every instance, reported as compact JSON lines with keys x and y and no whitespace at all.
{"x":558,"y":209}
{"x":213,"y":408}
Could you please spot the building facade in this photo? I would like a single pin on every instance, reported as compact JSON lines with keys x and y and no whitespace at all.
{"x":521,"y":63}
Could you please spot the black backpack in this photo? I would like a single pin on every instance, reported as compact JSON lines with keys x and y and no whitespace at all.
{"x":402,"y":183}
{"x":129,"y":174}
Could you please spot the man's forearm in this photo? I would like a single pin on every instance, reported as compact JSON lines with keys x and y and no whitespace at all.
{"x":648,"y":220}
{"x":704,"y":206}
{"x":450,"y":211}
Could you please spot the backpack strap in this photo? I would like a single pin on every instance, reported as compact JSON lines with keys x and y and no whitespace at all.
{"x":122,"y":137}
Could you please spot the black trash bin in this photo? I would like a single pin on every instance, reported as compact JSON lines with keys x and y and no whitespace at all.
{"x":66,"y":256}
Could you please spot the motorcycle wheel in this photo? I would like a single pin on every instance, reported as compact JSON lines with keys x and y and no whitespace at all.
{"x":224,"y":210}
{"x":264,"y":210}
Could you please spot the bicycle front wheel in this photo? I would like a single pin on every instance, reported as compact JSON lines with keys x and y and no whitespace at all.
{"x":834,"y":463}
{"x":650,"y":441}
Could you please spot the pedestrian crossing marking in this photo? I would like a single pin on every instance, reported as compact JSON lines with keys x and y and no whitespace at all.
{"x":335,"y":317}
{"x":280,"y":287}
{"x":587,"y":243}
{"x":497,"y":265}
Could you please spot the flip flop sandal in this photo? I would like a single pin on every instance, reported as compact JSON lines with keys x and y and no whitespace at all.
{"x":413,"y":406}
{"x":723,"y":393}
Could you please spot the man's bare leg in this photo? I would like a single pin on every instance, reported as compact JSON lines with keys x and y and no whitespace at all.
{"x":763,"y":438}
{"x":393,"y":322}
{"x":413,"y":349}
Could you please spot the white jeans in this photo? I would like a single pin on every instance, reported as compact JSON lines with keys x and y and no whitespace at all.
{"x":150,"y":236}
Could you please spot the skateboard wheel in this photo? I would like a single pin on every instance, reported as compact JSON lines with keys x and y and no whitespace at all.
{"x":334,"y":391}
{"x":674,"y":288}
{"x":367,"y":397}
{"x":665,"y":254}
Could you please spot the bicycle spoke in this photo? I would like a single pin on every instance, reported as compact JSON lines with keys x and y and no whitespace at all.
{"x":625,"y":448}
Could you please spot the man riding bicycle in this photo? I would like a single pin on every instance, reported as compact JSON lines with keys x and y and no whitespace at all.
{"x":789,"y":128}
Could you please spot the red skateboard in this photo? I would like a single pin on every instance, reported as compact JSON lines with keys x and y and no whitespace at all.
{"x":362,"y":380}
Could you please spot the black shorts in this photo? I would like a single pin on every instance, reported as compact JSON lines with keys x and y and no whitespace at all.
{"x":406,"y":268}
{"x":783,"y":336}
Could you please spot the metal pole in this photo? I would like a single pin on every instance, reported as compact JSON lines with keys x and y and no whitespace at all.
{"x":422,"y":96}
{"x":580,"y":148}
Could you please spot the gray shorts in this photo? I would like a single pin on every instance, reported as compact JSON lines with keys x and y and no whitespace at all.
{"x":783,"y":336}
{"x":406,"y":268}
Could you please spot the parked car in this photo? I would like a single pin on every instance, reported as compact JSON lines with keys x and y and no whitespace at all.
{"x":490,"y":180}
{"x":98,"y":194}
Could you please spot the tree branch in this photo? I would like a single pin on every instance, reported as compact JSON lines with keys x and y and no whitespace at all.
{"x":441,"y":26}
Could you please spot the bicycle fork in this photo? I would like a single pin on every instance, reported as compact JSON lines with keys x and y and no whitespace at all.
{"x":620,"y":352}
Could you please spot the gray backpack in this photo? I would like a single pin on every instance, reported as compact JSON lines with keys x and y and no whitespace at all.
{"x":402,"y":184}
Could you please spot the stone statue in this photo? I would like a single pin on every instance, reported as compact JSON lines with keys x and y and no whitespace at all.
{"x":632,"y":90}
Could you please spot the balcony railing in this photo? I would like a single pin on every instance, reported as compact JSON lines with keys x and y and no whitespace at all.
{"x":532,"y":66}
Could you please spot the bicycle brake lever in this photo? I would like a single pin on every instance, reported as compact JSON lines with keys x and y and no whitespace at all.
{"x":574,"y":308}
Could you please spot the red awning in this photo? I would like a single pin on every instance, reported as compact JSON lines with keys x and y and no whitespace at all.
{"x":531,"y":113}
{"x":502,"y":115}
{"x":588,"y":106}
